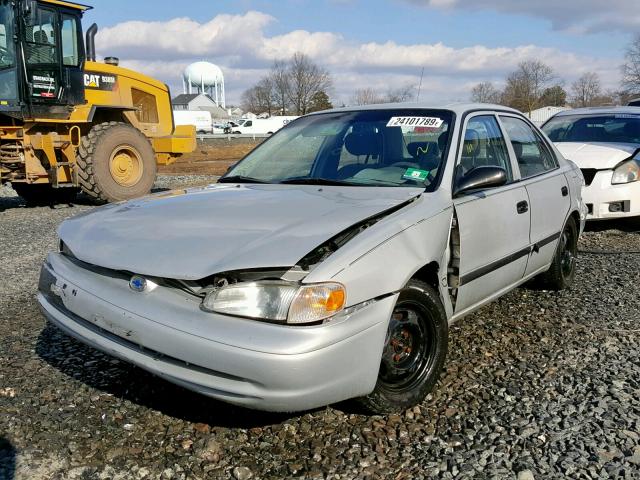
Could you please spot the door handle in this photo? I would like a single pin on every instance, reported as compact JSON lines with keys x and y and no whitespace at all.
{"x":565,"y":191}
{"x":522,"y":207}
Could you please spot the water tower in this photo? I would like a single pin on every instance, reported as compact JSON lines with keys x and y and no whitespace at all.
{"x":205,"y":77}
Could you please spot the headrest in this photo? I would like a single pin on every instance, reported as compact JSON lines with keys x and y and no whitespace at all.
{"x":517,"y":148}
{"x":364,"y":143}
{"x":442,"y":141}
{"x":471,"y":143}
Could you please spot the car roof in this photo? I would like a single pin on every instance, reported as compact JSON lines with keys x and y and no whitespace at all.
{"x":457,"y":108}
{"x":599,"y":110}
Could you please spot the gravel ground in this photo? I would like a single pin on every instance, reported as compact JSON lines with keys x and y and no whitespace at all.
{"x":537,"y":385}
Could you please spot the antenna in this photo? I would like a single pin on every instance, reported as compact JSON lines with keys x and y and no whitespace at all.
{"x":420,"y":86}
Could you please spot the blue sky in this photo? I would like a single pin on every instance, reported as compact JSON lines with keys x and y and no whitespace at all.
{"x":483,"y":39}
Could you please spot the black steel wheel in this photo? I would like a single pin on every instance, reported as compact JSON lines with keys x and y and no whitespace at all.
{"x":562,"y":271}
{"x":414,"y":351}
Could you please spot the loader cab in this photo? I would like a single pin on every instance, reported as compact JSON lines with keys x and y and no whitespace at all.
{"x":41,"y":58}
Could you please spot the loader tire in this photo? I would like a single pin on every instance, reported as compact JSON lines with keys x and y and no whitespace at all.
{"x":115,"y":162}
{"x":41,"y":194}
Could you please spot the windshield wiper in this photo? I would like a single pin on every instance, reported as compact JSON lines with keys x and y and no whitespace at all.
{"x":317,"y":181}
{"x":240,"y":179}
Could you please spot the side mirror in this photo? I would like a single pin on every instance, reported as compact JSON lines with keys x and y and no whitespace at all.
{"x":480,"y":177}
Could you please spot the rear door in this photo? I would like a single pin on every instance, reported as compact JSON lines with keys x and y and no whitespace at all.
{"x":493,"y":223}
{"x":546,"y":186}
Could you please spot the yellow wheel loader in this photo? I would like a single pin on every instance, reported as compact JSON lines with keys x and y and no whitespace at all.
{"x":70,"y":123}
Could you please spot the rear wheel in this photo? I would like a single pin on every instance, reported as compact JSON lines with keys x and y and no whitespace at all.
{"x":563,"y":267}
{"x":414,"y":352}
{"x":44,"y":194}
{"x":116,"y":162}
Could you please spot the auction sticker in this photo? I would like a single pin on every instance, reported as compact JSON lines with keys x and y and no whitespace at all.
{"x":415,"y":174}
{"x":432,"y":122}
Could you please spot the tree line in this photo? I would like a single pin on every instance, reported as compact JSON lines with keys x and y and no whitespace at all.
{"x":299,"y":86}
{"x":535,"y":84}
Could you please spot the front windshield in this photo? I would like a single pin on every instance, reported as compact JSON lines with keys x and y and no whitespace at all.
{"x":605,"y":128}
{"x":394,"y":148}
{"x":7,"y":50}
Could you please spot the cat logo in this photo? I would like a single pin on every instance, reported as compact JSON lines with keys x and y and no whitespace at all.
{"x":97,"y":81}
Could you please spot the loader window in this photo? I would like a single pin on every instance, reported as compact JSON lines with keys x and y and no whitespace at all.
{"x":7,"y":51}
{"x":41,"y":44}
{"x":147,"y":110}
{"x":70,"y":55}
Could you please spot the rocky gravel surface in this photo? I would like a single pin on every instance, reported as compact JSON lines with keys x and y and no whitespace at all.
{"x":537,"y":385}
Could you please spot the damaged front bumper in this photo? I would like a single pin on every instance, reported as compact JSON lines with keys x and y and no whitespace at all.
{"x":240,"y":361}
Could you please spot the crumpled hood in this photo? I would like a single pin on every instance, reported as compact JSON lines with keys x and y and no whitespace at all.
{"x":601,"y":156}
{"x":191,"y":234}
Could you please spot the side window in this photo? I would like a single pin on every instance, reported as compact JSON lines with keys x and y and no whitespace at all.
{"x":484,"y":145}
{"x":147,"y":110}
{"x":532,"y":154}
{"x":41,"y":45}
{"x":70,"y":55}
{"x":248,"y":123}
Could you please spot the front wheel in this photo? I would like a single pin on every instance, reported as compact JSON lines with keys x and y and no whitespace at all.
{"x":563,"y":267}
{"x":414,"y":351}
{"x":116,"y":162}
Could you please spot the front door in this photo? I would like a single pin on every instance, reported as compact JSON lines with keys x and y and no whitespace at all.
{"x":53,"y":56}
{"x":493,"y":223}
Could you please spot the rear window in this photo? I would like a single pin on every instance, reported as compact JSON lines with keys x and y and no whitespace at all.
{"x":610,"y":128}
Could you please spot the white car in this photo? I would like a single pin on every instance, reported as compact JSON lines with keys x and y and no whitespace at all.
{"x":605,"y":144}
{"x":329,"y":263}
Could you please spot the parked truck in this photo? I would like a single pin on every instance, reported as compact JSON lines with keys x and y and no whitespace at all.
{"x":263,"y":125}
{"x":200,"y":119}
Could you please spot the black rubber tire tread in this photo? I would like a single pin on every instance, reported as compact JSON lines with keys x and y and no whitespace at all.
{"x":40,"y":194}
{"x":381,"y":401}
{"x":90,"y":154}
{"x":553,"y":279}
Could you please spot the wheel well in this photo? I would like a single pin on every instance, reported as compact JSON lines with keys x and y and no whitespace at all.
{"x":102,"y":115}
{"x":576,"y":217}
{"x":429,"y":275}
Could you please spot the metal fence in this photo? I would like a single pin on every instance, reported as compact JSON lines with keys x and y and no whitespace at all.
{"x":229,"y":136}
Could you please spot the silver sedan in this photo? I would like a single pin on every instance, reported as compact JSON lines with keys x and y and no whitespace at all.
{"x":329,"y":263}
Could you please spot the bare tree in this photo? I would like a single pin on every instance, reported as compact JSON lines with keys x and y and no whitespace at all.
{"x":485,"y":92}
{"x":306,"y":79}
{"x":631,"y":67}
{"x":401,"y":94}
{"x":281,"y":80}
{"x":586,"y":90}
{"x":259,"y":98}
{"x":526,"y":85}
{"x":366,"y":96}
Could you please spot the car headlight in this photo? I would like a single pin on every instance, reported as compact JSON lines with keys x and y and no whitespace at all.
{"x":278,"y":301}
{"x":626,"y":172}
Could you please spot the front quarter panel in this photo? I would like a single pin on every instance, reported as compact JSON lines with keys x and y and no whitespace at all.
{"x":382,"y":259}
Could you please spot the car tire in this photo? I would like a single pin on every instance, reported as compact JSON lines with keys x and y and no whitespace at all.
{"x":563,"y":267}
{"x":414,"y":352}
{"x":115,"y":162}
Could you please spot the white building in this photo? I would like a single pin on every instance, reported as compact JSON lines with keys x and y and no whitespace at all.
{"x":541,"y":115}
{"x":199,"y":101}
